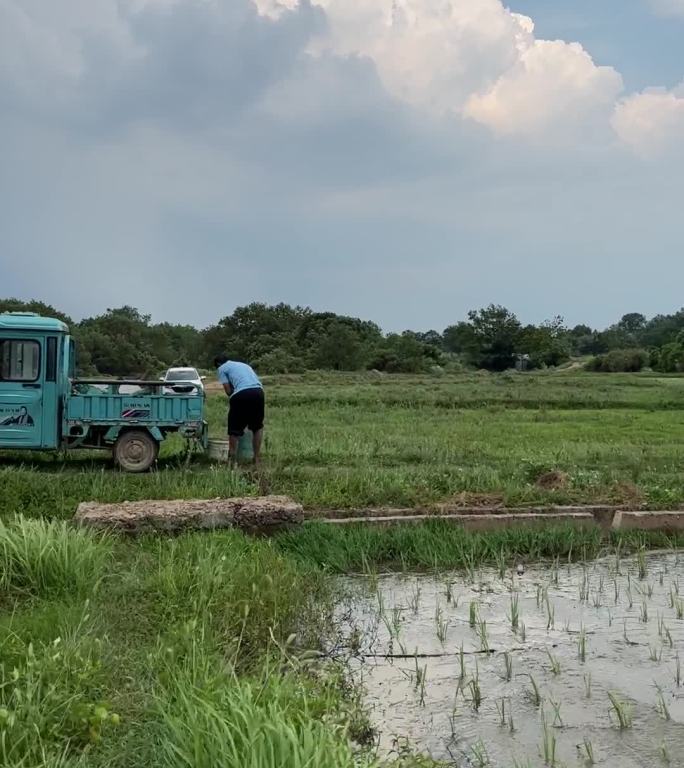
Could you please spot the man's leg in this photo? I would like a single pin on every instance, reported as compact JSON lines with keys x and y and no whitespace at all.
{"x":236,"y":427}
{"x":233,"y":442}
{"x":256,"y":444}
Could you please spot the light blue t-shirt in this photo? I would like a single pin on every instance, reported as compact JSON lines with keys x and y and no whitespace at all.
{"x":239,"y":375}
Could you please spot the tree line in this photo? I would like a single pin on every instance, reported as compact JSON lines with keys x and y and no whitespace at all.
{"x":286,"y":339}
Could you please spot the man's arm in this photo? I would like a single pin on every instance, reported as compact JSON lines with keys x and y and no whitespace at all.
{"x":228,"y":389}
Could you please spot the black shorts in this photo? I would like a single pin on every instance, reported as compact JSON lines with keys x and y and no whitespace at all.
{"x":246,"y":410}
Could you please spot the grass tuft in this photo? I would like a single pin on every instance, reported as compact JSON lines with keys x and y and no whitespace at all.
{"x":42,"y":558}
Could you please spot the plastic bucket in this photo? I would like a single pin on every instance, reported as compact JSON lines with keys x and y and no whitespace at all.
{"x":245,"y":449}
{"x":218,"y":449}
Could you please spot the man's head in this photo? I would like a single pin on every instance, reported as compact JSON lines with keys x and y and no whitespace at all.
{"x":219,"y":360}
{"x":23,"y":410}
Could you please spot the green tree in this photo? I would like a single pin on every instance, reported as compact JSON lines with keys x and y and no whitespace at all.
{"x":495,"y":340}
{"x":547,"y":344}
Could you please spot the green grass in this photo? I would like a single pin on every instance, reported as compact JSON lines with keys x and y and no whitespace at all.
{"x":42,"y":557}
{"x":202,"y":650}
{"x":438,"y":544}
{"x":358,"y":440}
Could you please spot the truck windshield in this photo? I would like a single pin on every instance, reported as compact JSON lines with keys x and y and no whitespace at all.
{"x":182,"y":374}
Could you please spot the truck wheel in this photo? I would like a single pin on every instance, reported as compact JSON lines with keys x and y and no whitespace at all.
{"x":135,"y":451}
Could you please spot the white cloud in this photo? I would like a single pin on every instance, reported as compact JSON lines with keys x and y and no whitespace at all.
{"x":552,"y":85}
{"x":652,"y":121}
{"x":474,"y":58}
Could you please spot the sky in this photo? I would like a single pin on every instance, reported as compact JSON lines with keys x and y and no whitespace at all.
{"x":403,"y":161}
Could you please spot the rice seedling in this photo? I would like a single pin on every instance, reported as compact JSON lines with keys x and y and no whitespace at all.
{"x":616,"y":589}
{"x":644,"y":613}
{"x":461,"y":658}
{"x":420,"y":679}
{"x":475,"y":691}
{"x":414,"y":599}
{"x":661,"y":705}
{"x":661,"y":578}
{"x":548,"y":745}
{"x":582,"y":645}
{"x":449,"y":592}
{"x":554,"y":571}
{"x":535,"y":695}
{"x":480,"y":758}
{"x":473,"y":613}
{"x":550,"y":615}
{"x":584,"y":588}
{"x":519,"y":764}
{"x":610,"y":618}
{"x":661,"y":624}
{"x":523,"y":632}
{"x":500,"y":557}
{"x":508,"y":666}
{"x":679,"y":609}
{"x":678,"y":672}
{"x":664,"y":754}
{"x":621,"y":711}
{"x":597,"y":600}
{"x":587,"y":750}
{"x":668,"y":638}
{"x":555,"y":664}
{"x":630,"y":599}
{"x":514,"y":615}
{"x":641,"y":564}
{"x":649,"y":590}
{"x":511,"y":724}
{"x":654,"y":654}
{"x":539,"y":596}
{"x":587,"y":685}
{"x":624,"y":633}
{"x":441,"y":625}
{"x":501,"y":711}
{"x":396,"y":620}
{"x":557,"y":719}
{"x":618,"y":551}
{"x":482,"y":632}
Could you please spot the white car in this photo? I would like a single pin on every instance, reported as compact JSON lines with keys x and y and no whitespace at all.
{"x":181,"y":381}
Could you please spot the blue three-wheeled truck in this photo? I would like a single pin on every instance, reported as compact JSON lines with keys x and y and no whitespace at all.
{"x":43,"y":406}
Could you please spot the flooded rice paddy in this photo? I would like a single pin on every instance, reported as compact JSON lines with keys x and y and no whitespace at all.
{"x":561,"y":665}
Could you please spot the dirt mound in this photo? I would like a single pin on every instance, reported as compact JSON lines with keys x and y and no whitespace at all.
{"x":554,"y":480}
{"x":264,"y":514}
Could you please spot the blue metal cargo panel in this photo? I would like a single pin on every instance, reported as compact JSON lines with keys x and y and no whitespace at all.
{"x":157,"y":410}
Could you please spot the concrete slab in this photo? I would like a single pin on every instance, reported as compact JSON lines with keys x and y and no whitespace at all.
{"x":643,"y":520}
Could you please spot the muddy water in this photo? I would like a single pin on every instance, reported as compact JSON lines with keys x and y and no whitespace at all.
{"x":400,"y":624}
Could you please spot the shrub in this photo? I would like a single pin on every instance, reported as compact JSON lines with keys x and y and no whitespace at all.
{"x":619,"y":361}
{"x":43,"y":557}
{"x":669,"y":358}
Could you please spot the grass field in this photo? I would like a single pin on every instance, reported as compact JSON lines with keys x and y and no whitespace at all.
{"x":196,"y":651}
{"x":356,"y":441}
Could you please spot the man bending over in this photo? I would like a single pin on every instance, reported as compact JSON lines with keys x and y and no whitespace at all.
{"x":246,"y":395}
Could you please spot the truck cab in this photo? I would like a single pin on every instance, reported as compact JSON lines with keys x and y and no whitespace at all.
{"x":33,"y":355}
{"x":43,"y":406}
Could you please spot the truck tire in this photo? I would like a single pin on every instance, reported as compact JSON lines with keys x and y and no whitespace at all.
{"x":135,"y":451}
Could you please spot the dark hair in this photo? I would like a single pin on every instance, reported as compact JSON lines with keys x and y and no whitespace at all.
{"x":220,"y":360}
